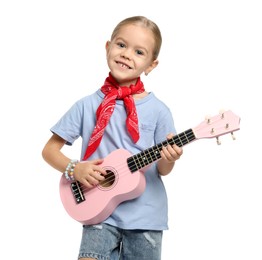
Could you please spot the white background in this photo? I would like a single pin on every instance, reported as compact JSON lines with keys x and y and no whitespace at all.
{"x":52,"y":53}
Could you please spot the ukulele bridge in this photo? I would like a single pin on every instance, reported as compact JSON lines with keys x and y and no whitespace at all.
{"x":77,"y":192}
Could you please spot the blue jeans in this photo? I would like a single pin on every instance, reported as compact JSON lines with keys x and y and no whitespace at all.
{"x":105,"y":242}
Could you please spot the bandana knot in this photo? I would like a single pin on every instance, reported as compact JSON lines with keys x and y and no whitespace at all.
{"x":123,"y":92}
{"x":112,"y":92}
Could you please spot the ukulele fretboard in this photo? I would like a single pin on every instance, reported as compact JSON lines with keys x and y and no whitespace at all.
{"x":148,"y":156}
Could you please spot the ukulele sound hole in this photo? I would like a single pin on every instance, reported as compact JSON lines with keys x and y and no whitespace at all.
{"x":109,"y":181}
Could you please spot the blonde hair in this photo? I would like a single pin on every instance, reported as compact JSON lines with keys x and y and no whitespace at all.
{"x":145,"y":22}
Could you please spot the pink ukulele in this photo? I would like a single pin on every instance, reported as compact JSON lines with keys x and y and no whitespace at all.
{"x":125,"y":179}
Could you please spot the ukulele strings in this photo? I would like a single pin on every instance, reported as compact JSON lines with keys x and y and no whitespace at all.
{"x":134,"y":166}
{"x":131,"y":169}
{"x":122,"y":171}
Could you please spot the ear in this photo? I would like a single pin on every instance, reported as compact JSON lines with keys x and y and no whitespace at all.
{"x":107,"y":45}
{"x":151,"y":67}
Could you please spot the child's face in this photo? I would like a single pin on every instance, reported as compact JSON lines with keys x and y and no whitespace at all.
{"x":130,"y":54}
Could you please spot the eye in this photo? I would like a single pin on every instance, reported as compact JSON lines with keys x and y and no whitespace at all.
{"x":121,"y":45}
{"x":139,"y":52}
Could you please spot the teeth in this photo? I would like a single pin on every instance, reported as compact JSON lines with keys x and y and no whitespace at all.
{"x":123,"y":65}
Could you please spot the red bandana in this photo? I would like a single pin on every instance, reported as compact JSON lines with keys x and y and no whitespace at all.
{"x":113,"y":91}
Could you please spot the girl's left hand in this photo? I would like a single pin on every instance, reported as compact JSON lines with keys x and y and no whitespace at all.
{"x":171,"y":153}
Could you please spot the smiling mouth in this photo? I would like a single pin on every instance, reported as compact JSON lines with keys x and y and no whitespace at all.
{"x":123,"y":65}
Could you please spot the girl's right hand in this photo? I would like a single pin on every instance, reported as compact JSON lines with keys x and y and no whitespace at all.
{"x":89,"y":173}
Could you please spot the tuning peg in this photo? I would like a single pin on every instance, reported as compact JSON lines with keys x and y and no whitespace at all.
{"x":207,"y":118}
{"x":218,"y":141}
{"x":221,"y":112}
{"x":233,"y":137}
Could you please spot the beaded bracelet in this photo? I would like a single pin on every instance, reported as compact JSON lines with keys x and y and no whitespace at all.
{"x":69,"y":171}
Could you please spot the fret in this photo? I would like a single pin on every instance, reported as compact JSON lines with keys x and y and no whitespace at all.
{"x":149,"y":157}
{"x":137,"y":162}
{"x":190,"y":135}
{"x":140,"y":160}
{"x":157,"y":150}
{"x":184,"y":138}
{"x":145,"y":158}
{"x":152,"y":153}
{"x":177,"y":141}
{"x":131,"y":165}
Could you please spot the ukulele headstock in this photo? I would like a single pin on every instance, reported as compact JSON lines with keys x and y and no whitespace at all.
{"x":223,"y":123}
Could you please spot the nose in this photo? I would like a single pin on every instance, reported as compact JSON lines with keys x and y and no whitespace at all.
{"x":126,"y":54}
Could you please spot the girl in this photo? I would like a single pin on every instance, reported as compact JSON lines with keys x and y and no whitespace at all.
{"x":121,"y":114}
